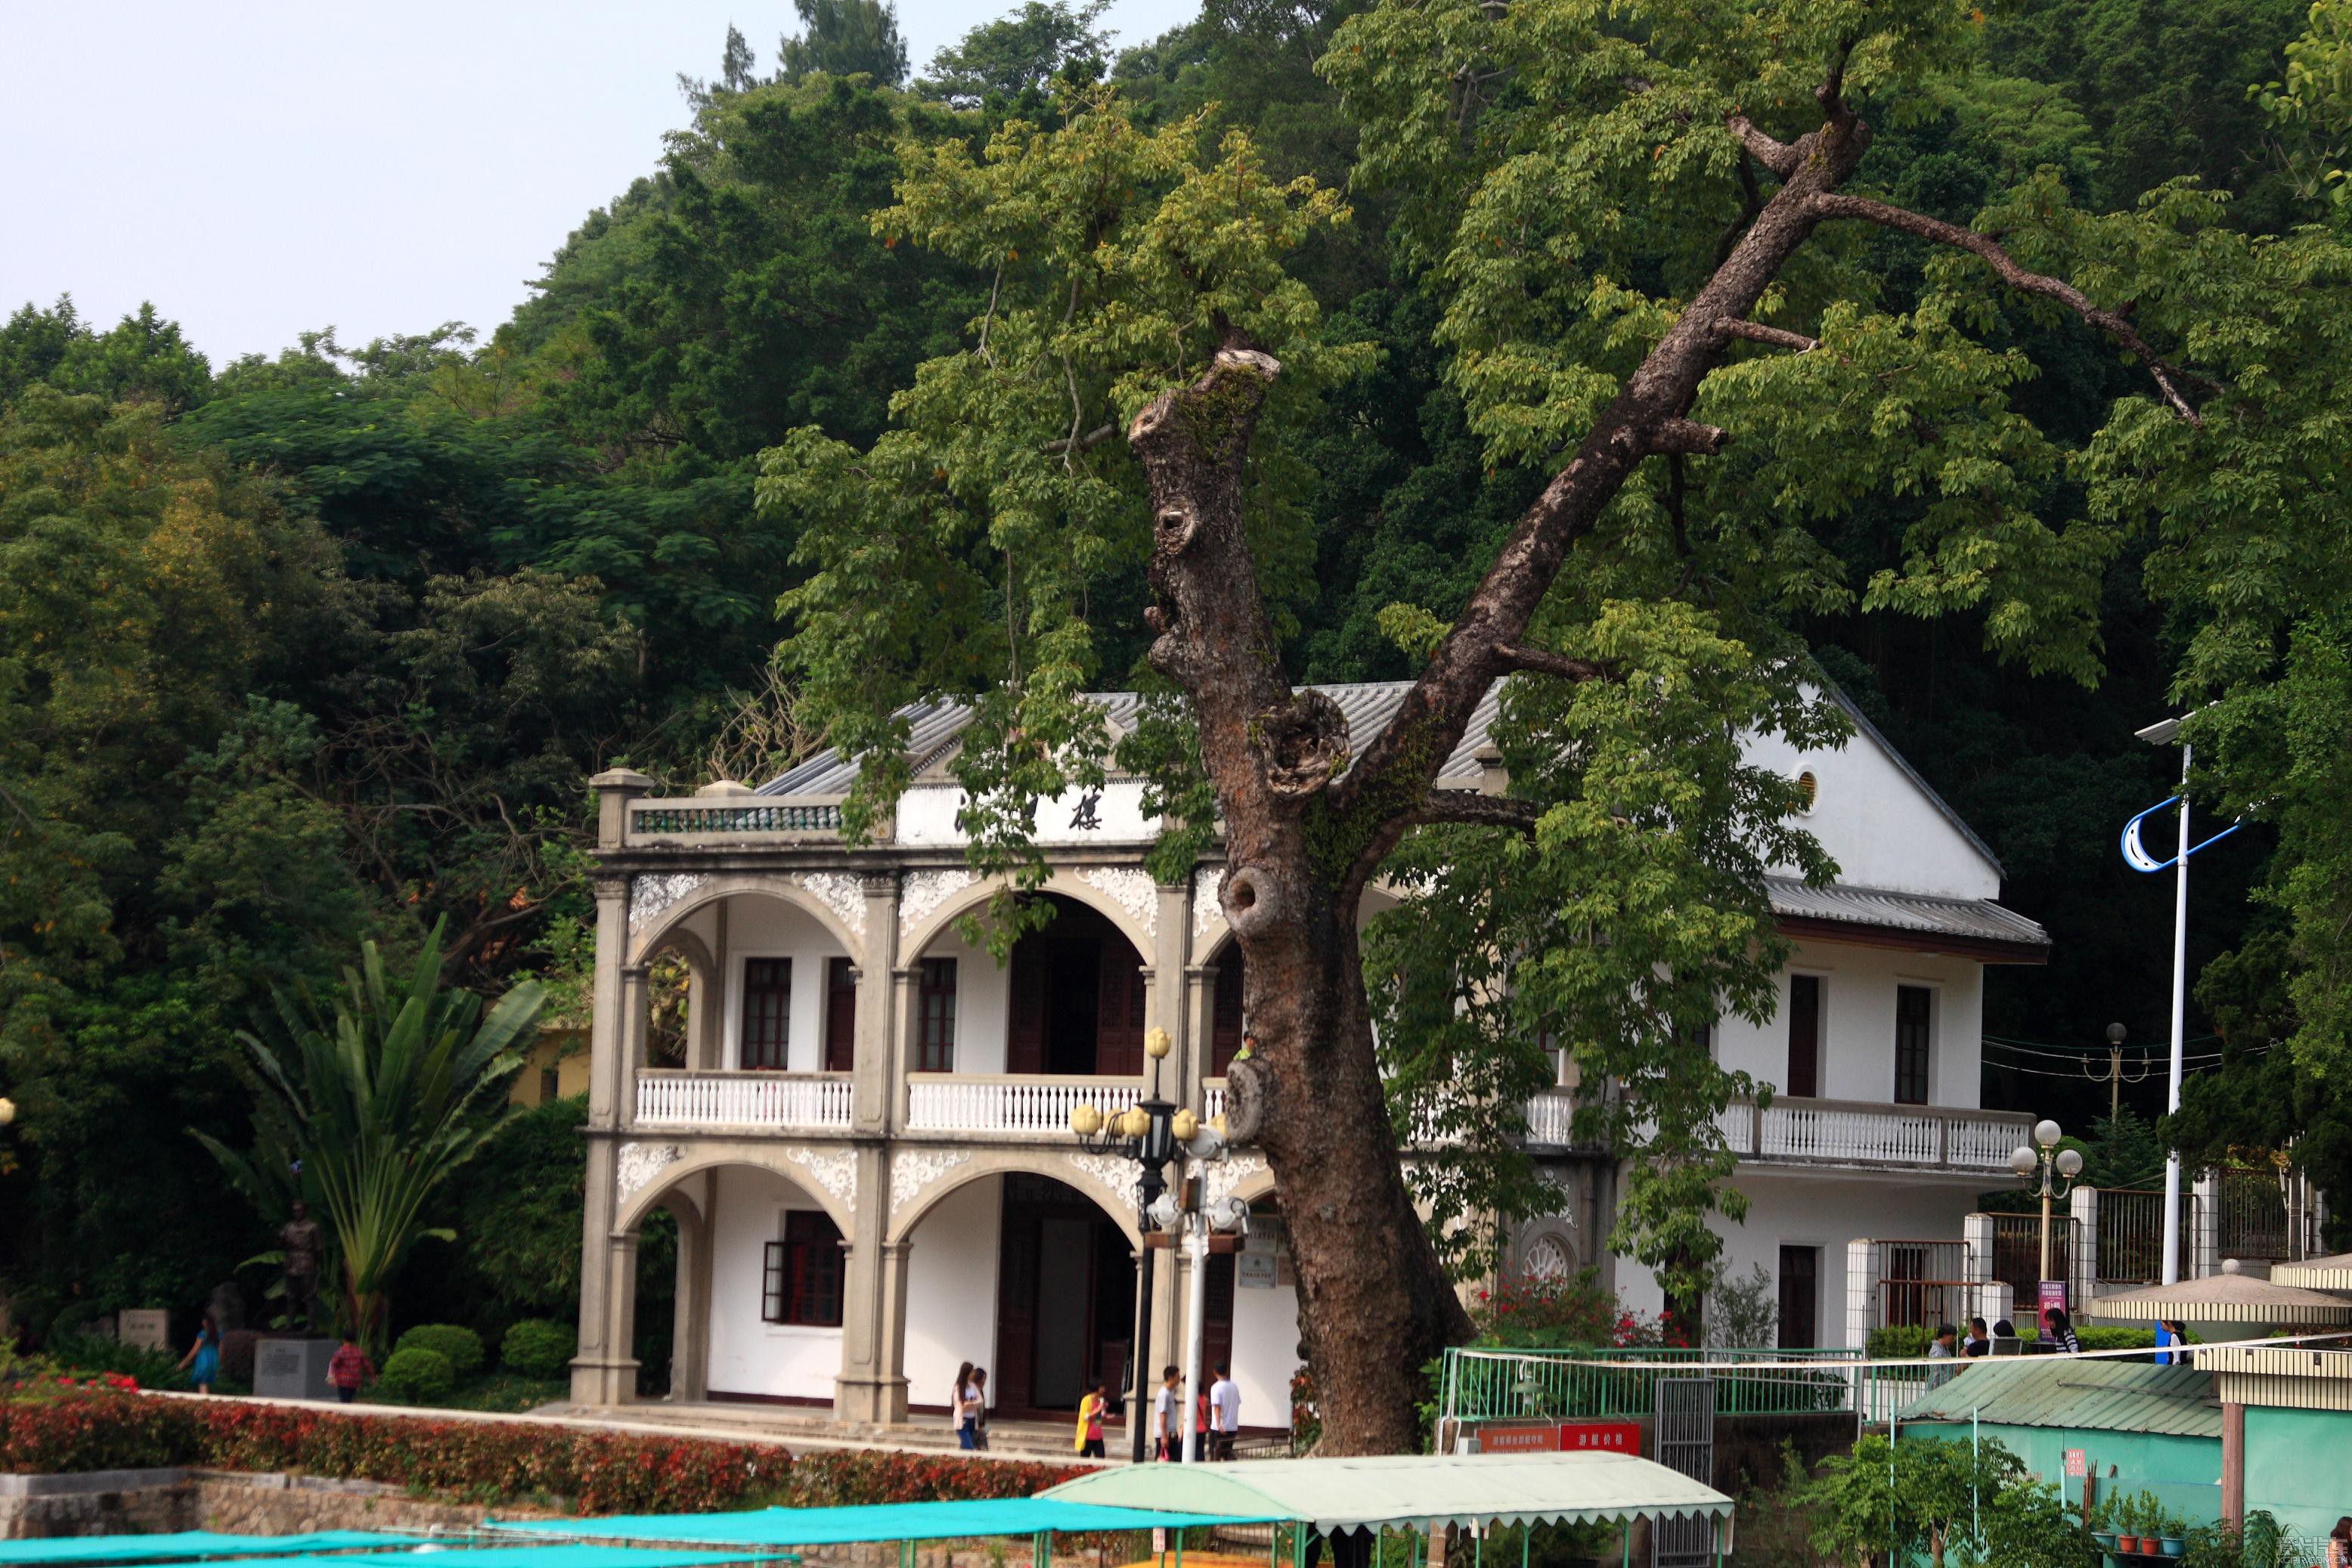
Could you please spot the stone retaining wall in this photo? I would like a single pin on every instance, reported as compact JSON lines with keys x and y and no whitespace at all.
{"x":127,"y":1502}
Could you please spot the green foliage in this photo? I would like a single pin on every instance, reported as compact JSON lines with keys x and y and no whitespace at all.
{"x":1014,"y":64}
{"x":538,"y":1348}
{"x":460,"y":1347}
{"x":1954,"y":1502}
{"x":86,"y":1355}
{"x":2310,"y":109}
{"x":366,"y":1114}
{"x":415,"y":1375}
{"x":1899,"y":1340}
{"x":843,"y":38}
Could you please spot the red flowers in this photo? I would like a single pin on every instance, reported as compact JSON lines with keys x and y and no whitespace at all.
{"x":93,"y":1427}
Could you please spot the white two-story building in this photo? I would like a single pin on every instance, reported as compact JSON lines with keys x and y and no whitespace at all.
{"x":866,"y":1146}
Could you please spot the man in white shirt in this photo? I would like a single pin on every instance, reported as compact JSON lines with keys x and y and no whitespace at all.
{"x":1226,"y":1408}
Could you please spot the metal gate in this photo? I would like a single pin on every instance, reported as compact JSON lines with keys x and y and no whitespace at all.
{"x":1685,"y":1444}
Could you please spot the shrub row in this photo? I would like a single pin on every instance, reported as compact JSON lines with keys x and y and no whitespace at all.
{"x":595,"y":1472}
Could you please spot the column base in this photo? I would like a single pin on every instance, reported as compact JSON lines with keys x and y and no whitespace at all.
{"x":870,"y":1399}
{"x":599,"y":1382}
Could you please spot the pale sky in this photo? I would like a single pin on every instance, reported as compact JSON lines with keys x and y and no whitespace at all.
{"x":260,"y":168}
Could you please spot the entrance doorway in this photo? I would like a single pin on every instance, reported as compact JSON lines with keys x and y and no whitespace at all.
{"x":1077,"y":998}
{"x":1065,"y":1298}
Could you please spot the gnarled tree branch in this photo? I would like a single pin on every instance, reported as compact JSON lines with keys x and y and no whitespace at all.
{"x":1092,"y":439}
{"x":1779,"y":338}
{"x":1831,"y":205}
{"x":1688,"y":437}
{"x":1777,"y":156}
{"x":1543,"y":661}
{"x":1469,"y":808}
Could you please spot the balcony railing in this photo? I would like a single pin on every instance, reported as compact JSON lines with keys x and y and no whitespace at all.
{"x":1021,"y":1105}
{"x":1857,"y":1132}
{"x":1550,"y":1119}
{"x":695,"y":820}
{"x":666,"y":1099}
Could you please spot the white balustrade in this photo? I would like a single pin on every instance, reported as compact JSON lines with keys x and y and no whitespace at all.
{"x":1021,"y":1106}
{"x":1550,"y":1117}
{"x":1842,"y":1132}
{"x":743,"y":1100}
{"x":1213,"y":1101}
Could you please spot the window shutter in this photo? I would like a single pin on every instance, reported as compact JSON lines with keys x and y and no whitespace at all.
{"x":1025,"y":1039}
{"x":1804,"y":1036}
{"x":840,"y":1017}
{"x":1225,"y":1013}
{"x":773,"y":1305}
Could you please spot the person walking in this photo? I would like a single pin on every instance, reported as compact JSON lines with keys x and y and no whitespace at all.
{"x":201,"y":1364}
{"x":1168,"y":1439}
{"x":1089,"y":1440}
{"x":1942,"y":1350}
{"x":349,"y":1370}
{"x":1225,"y":1410}
{"x":2059,"y":1330}
{"x":963,"y":1408}
{"x":980,"y":1408}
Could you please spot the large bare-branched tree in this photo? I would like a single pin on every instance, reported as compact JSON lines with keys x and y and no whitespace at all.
{"x":1641,"y":222}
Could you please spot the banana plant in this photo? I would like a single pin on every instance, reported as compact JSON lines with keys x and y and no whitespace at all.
{"x":362,"y":1113}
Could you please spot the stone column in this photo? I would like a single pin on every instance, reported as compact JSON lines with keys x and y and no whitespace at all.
{"x":2204,"y":1259}
{"x":2083,"y":1252}
{"x":1858,"y":1284}
{"x":1200,"y":1020}
{"x":1171,"y":1007}
{"x":1976,"y":1236}
{"x":604,"y":1372}
{"x":689,"y":1364}
{"x":874,"y":1095}
{"x":871,"y":1388}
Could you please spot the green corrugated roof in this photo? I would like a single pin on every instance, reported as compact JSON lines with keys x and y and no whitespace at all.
{"x":2084,"y":1395}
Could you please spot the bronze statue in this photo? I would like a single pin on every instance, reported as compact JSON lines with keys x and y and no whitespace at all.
{"x":304,"y":1245}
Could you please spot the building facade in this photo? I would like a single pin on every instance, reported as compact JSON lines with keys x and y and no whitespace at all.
{"x":863,"y":1128}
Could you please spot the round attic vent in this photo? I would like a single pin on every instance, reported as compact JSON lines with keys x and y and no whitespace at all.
{"x":1812,"y":789}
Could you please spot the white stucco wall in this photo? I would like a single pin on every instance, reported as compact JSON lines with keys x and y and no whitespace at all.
{"x":952,"y":1288}
{"x":927,"y":816}
{"x":1265,"y":1352}
{"x":747,"y":1356}
{"x":770,"y":928}
{"x":1822,"y":1212}
{"x":1882,"y":830}
{"x":1858,"y":986}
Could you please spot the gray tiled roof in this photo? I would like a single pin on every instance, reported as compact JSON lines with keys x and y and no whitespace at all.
{"x":1977,"y":920}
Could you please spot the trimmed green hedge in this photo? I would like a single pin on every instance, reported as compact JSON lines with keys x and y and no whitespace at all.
{"x":417,"y":1375}
{"x":538,"y":1348}
{"x":460,"y":1347}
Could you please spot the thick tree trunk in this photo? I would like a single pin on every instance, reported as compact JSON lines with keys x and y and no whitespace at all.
{"x":1374,"y":1301}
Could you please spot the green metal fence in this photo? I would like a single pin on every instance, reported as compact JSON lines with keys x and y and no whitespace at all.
{"x":1485,"y":1385}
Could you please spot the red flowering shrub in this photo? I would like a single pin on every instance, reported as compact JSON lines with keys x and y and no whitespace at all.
{"x":93,"y":1427}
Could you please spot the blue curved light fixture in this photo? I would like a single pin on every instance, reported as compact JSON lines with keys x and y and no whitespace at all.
{"x":2135,"y":854}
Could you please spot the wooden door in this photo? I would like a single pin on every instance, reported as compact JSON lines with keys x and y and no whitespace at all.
{"x":1118,"y":1003}
{"x":1804,"y":1036}
{"x":1225,"y":1013}
{"x":840,"y":1017}
{"x":1016,"y":1306}
{"x":1024,"y":1045}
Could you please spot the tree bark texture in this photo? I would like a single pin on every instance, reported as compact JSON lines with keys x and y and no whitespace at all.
{"x":1307,"y":823}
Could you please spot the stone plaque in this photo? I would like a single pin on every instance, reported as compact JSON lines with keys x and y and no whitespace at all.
{"x":148,"y":1326}
{"x":292,"y":1369}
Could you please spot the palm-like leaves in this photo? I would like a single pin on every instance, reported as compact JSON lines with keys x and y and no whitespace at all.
{"x":365,"y":1114}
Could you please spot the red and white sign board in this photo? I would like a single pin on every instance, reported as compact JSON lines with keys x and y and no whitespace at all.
{"x":1600,"y":1437}
{"x":2076,"y":1465}
{"x":1518,"y":1439}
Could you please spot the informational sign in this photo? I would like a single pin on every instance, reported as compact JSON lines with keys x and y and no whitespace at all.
{"x":2077,"y":1464}
{"x":1600,"y":1437}
{"x":150,"y":1328}
{"x":1542,"y":1439}
{"x":2052,"y":1295}
{"x":1256,"y":1270}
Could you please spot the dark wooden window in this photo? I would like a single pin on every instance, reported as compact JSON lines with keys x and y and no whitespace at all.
{"x":1800,"y":1298}
{"x":1911,"y":1016}
{"x":935,"y":1016}
{"x":550,"y":1079}
{"x":1225,"y":1021}
{"x":767,"y":1013}
{"x":801,"y":1282}
{"x":1804,"y":1036}
{"x":840,"y":1015}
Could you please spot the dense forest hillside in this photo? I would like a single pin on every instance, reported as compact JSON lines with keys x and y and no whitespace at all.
{"x":301,"y":650}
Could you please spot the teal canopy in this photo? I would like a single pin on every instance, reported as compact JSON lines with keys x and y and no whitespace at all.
{"x":882,"y":1521}
{"x":188,"y":1545}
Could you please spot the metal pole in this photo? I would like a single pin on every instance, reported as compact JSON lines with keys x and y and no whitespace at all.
{"x":2045,"y":1228}
{"x":2180,"y":1031}
{"x":1195,"y":1332}
{"x":1142,"y":1414}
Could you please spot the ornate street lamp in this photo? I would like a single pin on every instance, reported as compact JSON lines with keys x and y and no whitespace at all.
{"x":1147,"y":1133}
{"x":2048,"y":1172}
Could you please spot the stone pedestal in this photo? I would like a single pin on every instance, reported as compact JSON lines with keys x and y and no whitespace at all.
{"x":293,"y":1369}
{"x":149,"y":1327}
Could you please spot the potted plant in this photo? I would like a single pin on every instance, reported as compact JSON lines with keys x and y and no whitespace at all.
{"x":2171,"y":1534}
{"x":2104,"y":1534}
{"x":2127,"y":1520}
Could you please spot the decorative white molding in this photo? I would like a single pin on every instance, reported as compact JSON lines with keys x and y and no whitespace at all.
{"x":842,"y":893}
{"x":1228,"y":1175}
{"x":637,"y":1165}
{"x":912,"y":1169}
{"x":649,"y":896}
{"x":835,"y":1169}
{"x":1113,"y":1173}
{"x":1131,"y":889}
{"x":925,"y":892}
{"x":1207,"y":910}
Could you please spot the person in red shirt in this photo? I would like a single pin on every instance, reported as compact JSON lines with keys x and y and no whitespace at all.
{"x":348,"y":1371}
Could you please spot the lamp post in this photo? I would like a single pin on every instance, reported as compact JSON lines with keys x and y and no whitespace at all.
{"x":1146,"y":1133}
{"x":2044,"y":1170}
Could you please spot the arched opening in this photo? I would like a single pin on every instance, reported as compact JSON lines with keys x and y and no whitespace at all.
{"x":1077,"y":997}
{"x":1228,"y":1016}
{"x":1028,"y":1277}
